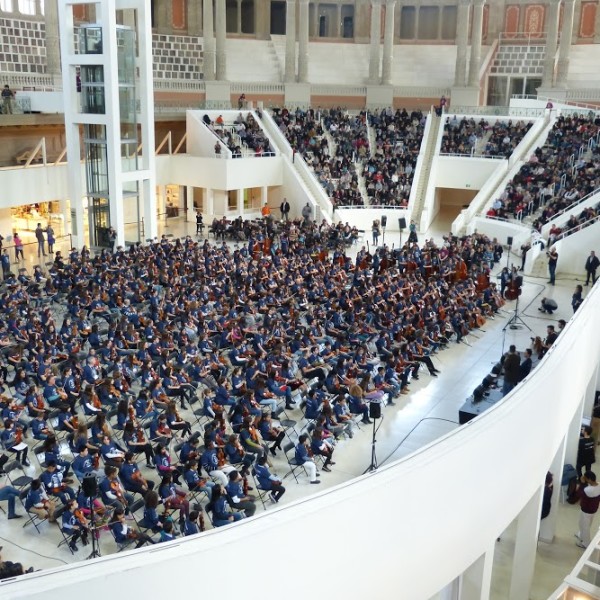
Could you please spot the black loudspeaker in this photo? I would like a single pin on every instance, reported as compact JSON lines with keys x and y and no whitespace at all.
{"x":375,"y":410}
{"x":402,"y":222}
{"x":89,"y":485}
{"x":509,"y":240}
{"x":384,"y":221}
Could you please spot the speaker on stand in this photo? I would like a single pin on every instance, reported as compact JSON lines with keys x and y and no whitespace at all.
{"x":383,"y":226}
{"x":89,"y":485}
{"x":401,"y":226}
{"x":374,"y":414}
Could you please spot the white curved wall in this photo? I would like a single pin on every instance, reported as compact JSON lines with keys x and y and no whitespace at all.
{"x":417,"y":523}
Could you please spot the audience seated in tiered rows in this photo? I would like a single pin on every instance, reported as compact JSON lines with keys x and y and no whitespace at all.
{"x":461,"y":137}
{"x":390,"y":170}
{"x":538,"y":183}
{"x":585,"y":218}
{"x":242,"y":133}
{"x":304,"y":132}
{"x":193,"y":355}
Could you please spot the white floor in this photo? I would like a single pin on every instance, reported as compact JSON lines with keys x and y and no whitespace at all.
{"x":428,"y":412}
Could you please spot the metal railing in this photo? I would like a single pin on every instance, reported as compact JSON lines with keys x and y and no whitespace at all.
{"x":577,"y":228}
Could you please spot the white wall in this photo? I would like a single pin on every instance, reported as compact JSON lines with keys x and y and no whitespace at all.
{"x":44,"y":102}
{"x":574,"y":249}
{"x":429,"y":517}
{"x":217,"y":173}
{"x":34,"y":184}
{"x":465,"y":173}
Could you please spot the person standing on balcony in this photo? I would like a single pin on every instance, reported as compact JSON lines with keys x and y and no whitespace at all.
{"x":552,"y":262}
{"x":7,"y":100}
{"x":591,"y":266}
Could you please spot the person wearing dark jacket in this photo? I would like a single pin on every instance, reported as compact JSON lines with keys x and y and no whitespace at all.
{"x":586,"y":454}
{"x":512,"y":370}
{"x":591,"y":266}
{"x":525,"y":367}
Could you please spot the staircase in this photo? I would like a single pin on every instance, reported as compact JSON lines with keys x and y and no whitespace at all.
{"x":427,"y":161}
{"x":519,"y":59}
{"x":362,"y":182}
{"x":275,"y":58}
{"x":323,"y":208}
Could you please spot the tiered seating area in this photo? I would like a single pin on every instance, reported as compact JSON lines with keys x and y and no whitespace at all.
{"x":554,"y":177}
{"x":587,"y":217}
{"x":390,"y":171}
{"x":97,"y":356}
{"x":305,"y":131}
{"x":244,"y":137}
{"x":480,"y":138}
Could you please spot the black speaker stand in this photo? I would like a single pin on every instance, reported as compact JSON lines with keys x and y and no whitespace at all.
{"x":373,"y":466}
{"x":515,"y":322}
{"x":95,"y":553}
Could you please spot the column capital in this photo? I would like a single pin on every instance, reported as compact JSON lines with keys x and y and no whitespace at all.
{"x":304,"y":1}
{"x":288,"y":2}
{"x":376,"y":2}
{"x":390,"y":2}
{"x":478,"y":2}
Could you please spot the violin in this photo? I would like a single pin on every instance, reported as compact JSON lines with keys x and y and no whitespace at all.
{"x":116,"y":488}
{"x":78,"y":514}
{"x":221,"y":457}
{"x":202,"y":524}
{"x":96,"y":461}
{"x":39,"y":402}
{"x":18,"y":436}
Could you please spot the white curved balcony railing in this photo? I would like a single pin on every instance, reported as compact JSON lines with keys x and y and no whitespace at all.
{"x":421,"y":521}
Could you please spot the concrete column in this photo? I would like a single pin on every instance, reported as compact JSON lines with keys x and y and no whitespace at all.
{"x":551,"y":43}
{"x":239,"y":16}
{"x":220,"y":34}
{"x":52,"y":38}
{"x":163,"y":18}
{"x":209,"y":203}
{"x":597,"y":27}
{"x":548,"y":525}
{"x":240,"y":202}
{"x":194,"y":15}
{"x":262,"y":19}
{"x":388,"y":43}
{"x":462,"y":37}
{"x":303,"y":43}
{"x":338,"y":28}
{"x":190,"y":214}
{"x":525,"y":548}
{"x":209,"y":40}
{"x":374,"y":58}
{"x":290,"y":41}
{"x":476,"y":37}
{"x":475,"y":581}
{"x":564,"y":48}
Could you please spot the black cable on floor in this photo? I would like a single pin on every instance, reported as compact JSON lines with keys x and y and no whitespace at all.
{"x":33,"y":551}
{"x":410,"y":433}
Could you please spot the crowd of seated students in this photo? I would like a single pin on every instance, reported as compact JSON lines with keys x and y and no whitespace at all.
{"x":537,"y":186}
{"x":304,"y":131}
{"x":390,"y":170}
{"x":461,"y":136}
{"x":243,"y":132}
{"x":586,"y":217}
{"x":184,"y":353}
